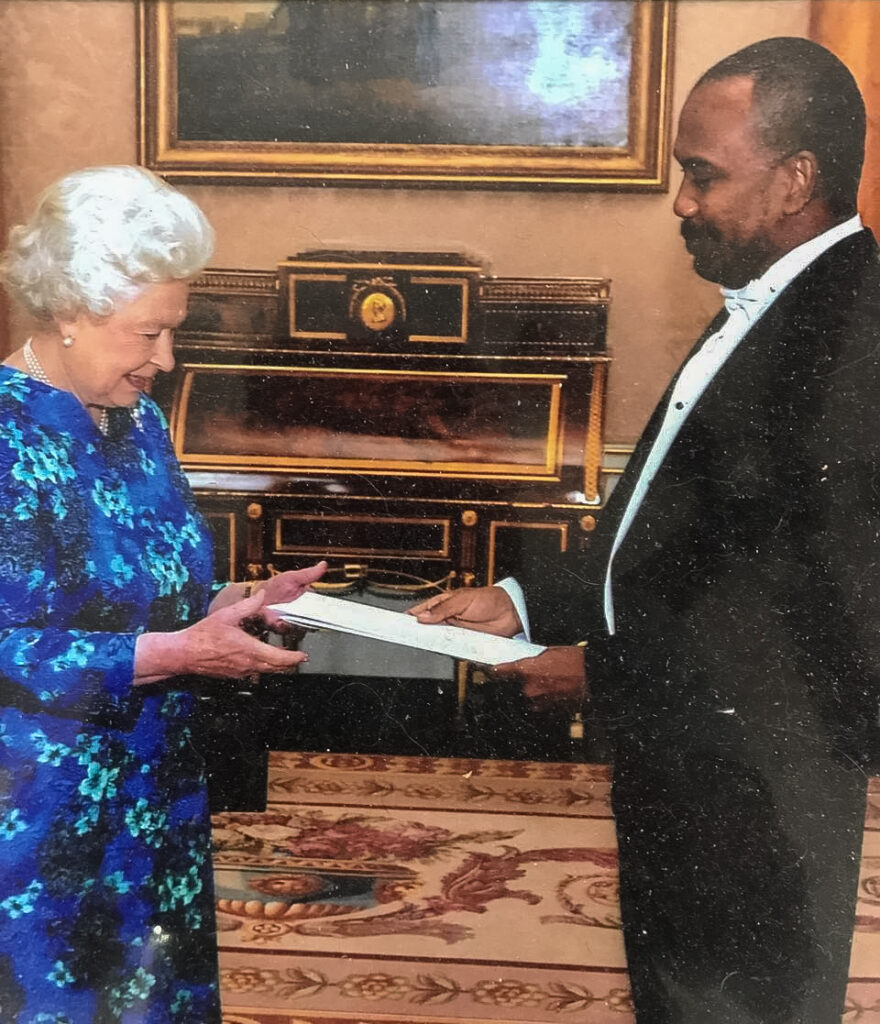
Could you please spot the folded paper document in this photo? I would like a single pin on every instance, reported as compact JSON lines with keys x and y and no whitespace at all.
{"x":318,"y":611}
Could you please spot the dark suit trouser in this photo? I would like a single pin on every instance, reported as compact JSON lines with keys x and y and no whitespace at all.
{"x":737,"y":890}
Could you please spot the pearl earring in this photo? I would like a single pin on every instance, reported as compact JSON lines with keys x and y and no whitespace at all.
{"x":67,"y":342}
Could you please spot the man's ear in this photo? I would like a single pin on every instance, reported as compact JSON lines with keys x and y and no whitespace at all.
{"x":803,"y":176}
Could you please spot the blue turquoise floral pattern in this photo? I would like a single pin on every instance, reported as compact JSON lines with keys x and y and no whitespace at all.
{"x":106,"y":899}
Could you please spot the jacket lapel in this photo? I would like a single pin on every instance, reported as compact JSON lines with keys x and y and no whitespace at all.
{"x":621,"y":494}
{"x":735,"y":408}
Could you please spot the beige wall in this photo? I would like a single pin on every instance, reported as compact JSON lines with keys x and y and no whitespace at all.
{"x":67,"y":99}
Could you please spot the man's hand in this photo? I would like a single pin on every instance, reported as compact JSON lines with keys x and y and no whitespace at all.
{"x":485,"y":609}
{"x":556,"y":676}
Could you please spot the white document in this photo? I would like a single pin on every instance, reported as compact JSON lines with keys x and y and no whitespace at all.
{"x":318,"y":611}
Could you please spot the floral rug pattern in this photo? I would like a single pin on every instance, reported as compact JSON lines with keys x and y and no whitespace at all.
{"x":433,"y":891}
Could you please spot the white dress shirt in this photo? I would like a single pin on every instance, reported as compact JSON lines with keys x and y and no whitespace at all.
{"x":745,"y":307}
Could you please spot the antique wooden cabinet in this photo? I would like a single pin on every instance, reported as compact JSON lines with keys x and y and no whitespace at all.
{"x":415,"y":421}
{"x":419,"y":424}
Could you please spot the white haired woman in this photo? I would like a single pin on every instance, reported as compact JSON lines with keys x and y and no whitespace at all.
{"x":106,"y":595}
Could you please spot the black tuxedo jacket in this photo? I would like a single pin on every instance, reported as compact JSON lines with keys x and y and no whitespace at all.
{"x":747,"y":590}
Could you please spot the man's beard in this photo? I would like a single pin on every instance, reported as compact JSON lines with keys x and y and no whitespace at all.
{"x":727,"y":263}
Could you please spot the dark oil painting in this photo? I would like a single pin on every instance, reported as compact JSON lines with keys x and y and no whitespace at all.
{"x":405,"y":72}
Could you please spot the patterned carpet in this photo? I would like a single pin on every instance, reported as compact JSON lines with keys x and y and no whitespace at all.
{"x":442,"y":891}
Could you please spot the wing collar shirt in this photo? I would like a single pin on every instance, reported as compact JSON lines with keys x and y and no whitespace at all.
{"x":745,"y":307}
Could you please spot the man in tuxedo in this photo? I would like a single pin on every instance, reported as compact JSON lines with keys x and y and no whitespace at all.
{"x":731,"y":601}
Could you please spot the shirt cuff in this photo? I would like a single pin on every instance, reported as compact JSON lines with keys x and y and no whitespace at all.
{"x":514,"y":591}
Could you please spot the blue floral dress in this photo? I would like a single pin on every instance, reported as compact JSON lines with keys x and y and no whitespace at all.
{"x":106,"y":901}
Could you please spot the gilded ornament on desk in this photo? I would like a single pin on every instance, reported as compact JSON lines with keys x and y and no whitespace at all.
{"x":376,"y":303}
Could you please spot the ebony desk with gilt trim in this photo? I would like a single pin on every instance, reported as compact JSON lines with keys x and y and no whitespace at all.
{"x":413,"y":420}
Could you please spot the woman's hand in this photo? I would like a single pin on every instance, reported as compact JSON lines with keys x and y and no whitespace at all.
{"x":288,"y":586}
{"x":284,"y":587}
{"x":215,"y":646}
{"x":278,"y":589}
{"x":486,"y":609}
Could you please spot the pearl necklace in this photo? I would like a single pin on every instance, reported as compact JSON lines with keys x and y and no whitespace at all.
{"x":35,"y":369}
{"x":34,"y":366}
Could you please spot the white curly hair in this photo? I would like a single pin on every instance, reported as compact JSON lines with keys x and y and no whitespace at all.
{"x":99,"y":237}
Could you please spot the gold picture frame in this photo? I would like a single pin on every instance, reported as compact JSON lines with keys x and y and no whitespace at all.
{"x":211,"y":82}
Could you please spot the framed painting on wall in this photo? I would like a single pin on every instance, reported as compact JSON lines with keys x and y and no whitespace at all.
{"x":557,"y":93}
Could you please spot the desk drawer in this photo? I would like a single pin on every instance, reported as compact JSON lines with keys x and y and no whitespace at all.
{"x":376,"y":536}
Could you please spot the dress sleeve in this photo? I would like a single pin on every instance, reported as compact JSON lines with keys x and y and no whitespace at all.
{"x":183,"y":485}
{"x":44,"y":664}
{"x":65,"y":671}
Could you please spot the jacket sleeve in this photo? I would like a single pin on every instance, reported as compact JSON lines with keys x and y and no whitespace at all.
{"x":564,"y":602}
{"x":839,"y":527}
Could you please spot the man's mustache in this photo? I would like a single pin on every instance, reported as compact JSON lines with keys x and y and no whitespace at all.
{"x":696,"y":233}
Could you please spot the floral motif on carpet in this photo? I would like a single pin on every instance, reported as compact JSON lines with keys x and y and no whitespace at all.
{"x":439,"y":891}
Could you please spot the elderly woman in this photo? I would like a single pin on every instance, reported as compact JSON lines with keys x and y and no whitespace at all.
{"x":106,"y":910}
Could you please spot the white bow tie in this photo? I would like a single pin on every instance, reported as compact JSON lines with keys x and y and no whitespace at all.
{"x":751,"y":298}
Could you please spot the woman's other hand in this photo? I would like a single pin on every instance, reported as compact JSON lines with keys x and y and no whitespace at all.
{"x":215,"y":646}
{"x":486,"y":609}
{"x":278,"y":589}
{"x":284,"y":587}
{"x":288,"y":586}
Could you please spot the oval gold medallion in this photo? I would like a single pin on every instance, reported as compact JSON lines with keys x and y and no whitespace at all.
{"x":377,"y":311}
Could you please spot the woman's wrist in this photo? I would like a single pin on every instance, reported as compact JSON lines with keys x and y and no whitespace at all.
{"x":157,"y":656}
{"x":255,"y":586}
{"x":234,"y":592}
